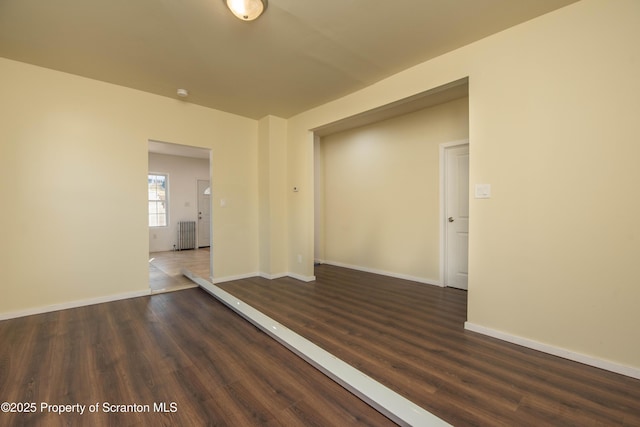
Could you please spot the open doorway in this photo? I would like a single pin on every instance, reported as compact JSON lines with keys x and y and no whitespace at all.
{"x":377,"y":196}
{"x":180,"y":223}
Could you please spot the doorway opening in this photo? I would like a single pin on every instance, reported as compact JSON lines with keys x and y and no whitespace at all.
{"x":184,"y":239}
{"x":384,"y":164}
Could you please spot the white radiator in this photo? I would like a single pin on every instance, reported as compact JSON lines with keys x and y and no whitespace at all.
{"x":186,"y":235}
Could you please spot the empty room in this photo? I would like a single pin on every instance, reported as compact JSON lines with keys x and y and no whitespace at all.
{"x":411,"y":212}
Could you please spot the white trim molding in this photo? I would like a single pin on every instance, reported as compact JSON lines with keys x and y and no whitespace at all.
{"x":273,"y":276}
{"x":215,"y":280}
{"x":391,"y":404}
{"x":301,"y":277}
{"x":424,"y":281}
{"x":173,"y":289}
{"x":607,"y":365}
{"x":73,"y":304}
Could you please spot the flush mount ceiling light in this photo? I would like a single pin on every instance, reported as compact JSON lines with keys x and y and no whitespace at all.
{"x":247,"y":10}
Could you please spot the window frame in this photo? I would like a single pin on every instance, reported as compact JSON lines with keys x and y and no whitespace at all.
{"x":166,"y":200}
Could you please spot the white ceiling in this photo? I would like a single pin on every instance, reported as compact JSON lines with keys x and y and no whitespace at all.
{"x":298,"y":55}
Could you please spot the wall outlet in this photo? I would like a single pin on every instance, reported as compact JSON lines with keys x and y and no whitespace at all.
{"x":299,"y":259}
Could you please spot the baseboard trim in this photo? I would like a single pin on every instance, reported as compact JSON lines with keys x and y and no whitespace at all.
{"x":301,"y":277}
{"x":391,"y":404}
{"x":556,"y":351}
{"x":273,"y":276}
{"x":73,"y":304}
{"x":432,"y":282}
{"x":231,"y":278}
{"x":173,"y":289}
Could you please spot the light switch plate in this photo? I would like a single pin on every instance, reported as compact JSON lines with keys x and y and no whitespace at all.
{"x":483,"y":191}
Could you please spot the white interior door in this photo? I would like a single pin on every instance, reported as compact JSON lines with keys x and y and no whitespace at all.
{"x":456,"y":216}
{"x":204,"y":214}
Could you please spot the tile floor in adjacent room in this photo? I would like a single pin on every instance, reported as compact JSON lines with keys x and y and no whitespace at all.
{"x":165,"y":267}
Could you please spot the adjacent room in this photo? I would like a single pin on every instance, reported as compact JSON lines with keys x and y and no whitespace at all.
{"x":413,"y":213}
{"x":179,"y":215}
{"x":378,"y":189}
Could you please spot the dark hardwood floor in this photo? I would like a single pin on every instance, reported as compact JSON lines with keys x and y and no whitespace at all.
{"x":410,"y":337}
{"x":181,"y":347}
{"x":187,"y":348}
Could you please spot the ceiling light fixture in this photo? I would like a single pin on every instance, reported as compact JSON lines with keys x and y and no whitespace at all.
{"x":247,"y":10}
{"x":183,"y":93}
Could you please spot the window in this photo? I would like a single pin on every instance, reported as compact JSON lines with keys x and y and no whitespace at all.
{"x":158,"y":200}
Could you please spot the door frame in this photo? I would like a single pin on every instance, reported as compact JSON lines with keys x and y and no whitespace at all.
{"x":443,"y":206}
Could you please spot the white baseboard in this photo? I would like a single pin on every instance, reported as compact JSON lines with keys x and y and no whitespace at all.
{"x":73,"y":304}
{"x":215,"y":280}
{"x":556,"y":351}
{"x":389,"y":403}
{"x":173,"y":289}
{"x":386,"y":273}
{"x":301,"y":277}
{"x":273,"y":276}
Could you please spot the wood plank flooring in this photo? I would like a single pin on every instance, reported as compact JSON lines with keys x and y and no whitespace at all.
{"x":410,"y":337}
{"x":187,"y":348}
{"x":181,"y":347}
{"x":164,"y":269}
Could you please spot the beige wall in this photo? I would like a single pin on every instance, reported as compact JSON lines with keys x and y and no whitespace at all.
{"x":553,"y":108}
{"x":556,"y":250}
{"x":73,"y":166}
{"x":380,"y":192}
{"x":272,"y":174}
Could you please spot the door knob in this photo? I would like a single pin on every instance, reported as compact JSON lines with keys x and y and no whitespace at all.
{"x":451,"y":219}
